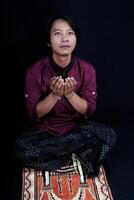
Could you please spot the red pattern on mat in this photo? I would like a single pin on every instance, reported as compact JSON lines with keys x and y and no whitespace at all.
{"x":66,"y":183}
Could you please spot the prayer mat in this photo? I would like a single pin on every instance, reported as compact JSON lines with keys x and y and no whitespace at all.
{"x":66,"y":183}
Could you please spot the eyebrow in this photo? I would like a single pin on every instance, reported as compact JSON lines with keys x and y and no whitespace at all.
{"x":56,"y":29}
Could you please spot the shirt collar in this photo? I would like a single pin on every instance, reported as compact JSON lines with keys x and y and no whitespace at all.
{"x":59,"y":70}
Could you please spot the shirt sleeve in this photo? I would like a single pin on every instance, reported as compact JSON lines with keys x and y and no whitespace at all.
{"x":89,"y":89}
{"x":32,"y":94}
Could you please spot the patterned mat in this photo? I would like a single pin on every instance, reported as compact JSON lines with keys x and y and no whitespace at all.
{"x":67,"y":183}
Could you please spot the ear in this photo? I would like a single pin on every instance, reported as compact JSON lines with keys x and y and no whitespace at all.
{"x":48,"y":45}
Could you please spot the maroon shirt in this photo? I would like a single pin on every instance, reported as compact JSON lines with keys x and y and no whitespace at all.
{"x":62,"y":118}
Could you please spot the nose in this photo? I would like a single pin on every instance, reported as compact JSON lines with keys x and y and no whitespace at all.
{"x":64,"y":37}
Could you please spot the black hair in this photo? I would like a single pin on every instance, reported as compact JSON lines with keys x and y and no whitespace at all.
{"x":69,"y":20}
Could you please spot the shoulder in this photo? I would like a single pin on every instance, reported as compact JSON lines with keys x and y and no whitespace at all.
{"x":85,"y":65}
{"x":36,"y":67}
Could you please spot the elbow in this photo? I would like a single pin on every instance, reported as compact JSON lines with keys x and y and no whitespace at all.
{"x":33,"y":114}
{"x":39,"y":112}
{"x":91,"y":108}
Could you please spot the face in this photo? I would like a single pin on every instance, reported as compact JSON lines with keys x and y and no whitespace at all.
{"x":62,"y":38}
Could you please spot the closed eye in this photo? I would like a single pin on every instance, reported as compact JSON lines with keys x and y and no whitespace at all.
{"x":70,"y":33}
{"x":57,"y":33}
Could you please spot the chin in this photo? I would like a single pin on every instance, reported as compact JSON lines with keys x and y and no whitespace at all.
{"x":66,"y":53}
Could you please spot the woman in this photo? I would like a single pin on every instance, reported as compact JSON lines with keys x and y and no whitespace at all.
{"x":60,"y":92}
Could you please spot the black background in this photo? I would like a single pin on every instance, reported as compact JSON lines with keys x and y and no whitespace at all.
{"x":107,"y":42}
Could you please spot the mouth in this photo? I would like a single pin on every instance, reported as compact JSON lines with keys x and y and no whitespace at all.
{"x":64,"y":46}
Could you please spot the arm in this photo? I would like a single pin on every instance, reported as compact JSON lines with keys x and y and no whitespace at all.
{"x":86,"y":102}
{"x":78,"y":103}
{"x":35,"y":107}
{"x":47,"y":104}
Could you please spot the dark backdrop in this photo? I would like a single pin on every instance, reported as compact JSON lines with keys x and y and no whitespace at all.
{"x":107,"y":42}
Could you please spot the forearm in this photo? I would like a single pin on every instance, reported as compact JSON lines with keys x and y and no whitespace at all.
{"x":78,"y":103}
{"x":46,"y":105}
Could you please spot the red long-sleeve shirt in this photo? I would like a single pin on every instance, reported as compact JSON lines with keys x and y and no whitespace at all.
{"x":62,"y":118}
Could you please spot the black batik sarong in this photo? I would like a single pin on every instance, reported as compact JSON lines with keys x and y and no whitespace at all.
{"x":89,"y":141}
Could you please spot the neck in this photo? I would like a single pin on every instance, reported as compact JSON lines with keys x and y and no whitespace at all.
{"x":62,"y":61}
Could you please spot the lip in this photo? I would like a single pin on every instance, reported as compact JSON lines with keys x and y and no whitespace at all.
{"x":64,"y":46}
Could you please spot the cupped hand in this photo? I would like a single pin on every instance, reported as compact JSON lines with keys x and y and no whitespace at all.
{"x":69,"y":86}
{"x":57,"y":86}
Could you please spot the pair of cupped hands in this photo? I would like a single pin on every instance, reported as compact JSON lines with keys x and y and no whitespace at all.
{"x":62,"y":87}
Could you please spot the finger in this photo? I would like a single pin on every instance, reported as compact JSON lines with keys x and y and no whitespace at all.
{"x":54,"y":77}
{"x":65,"y":86}
{"x":73,"y":80}
{"x":59,"y":83}
{"x":54,"y":80}
{"x":67,"y":80}
{"x":62,"y":89}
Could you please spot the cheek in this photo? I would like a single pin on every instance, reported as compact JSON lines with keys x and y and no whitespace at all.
{"x":74,"y":43}
{"x":54,"y":41}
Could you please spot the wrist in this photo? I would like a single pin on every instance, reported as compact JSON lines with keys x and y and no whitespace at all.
{"x":70,"y":95}
{"x":55,"y":96}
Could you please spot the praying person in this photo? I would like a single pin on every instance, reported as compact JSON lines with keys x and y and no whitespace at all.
{"x":60,"y":93}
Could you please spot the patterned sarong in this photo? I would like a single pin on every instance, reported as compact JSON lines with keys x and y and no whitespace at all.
{"x":89,"y":141}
